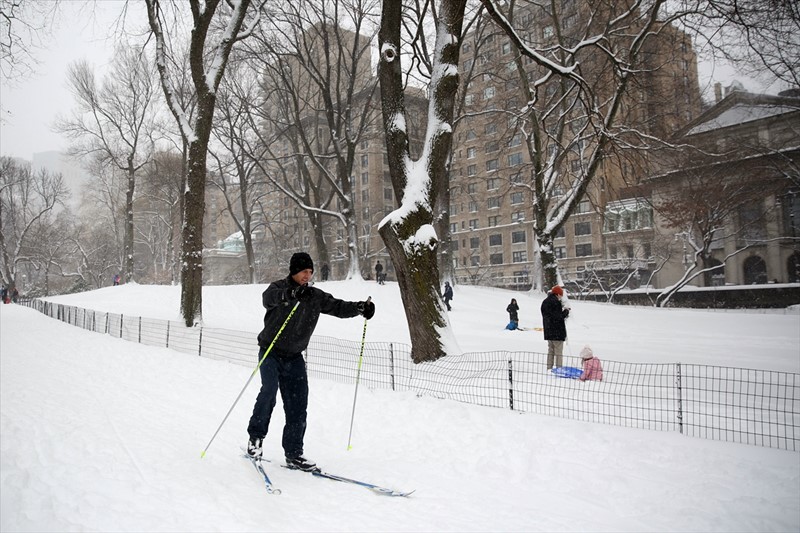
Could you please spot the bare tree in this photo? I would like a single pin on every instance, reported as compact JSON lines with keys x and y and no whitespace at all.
{"x":318,"y":99}
{"x":208,"y":57}
{"x":761,"y":39}
{"x":161,"y":191}
{"x":113,"y":124}
{"x":27,"y":200}
{"x":23,"y":27}
{"x":409,"y":232}
{"x":238,"y":171}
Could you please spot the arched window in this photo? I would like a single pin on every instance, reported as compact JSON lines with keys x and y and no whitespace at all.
{"x":793,"y":268}
{"x":755,"y":270}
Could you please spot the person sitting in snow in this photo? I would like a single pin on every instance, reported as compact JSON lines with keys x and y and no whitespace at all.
{"x":592,"y":369}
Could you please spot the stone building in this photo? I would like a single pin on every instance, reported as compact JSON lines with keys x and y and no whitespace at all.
{"x":741,"y":160}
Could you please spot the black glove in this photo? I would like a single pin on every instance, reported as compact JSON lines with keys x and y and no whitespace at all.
{"x":301,"y":292}
{"x":566,"y":313}
{"x":367,"y":309}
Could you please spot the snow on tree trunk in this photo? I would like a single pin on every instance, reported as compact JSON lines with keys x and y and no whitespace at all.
{"x":409,"y":232}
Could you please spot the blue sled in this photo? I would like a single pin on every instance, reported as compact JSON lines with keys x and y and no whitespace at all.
{"x":569,"y":372}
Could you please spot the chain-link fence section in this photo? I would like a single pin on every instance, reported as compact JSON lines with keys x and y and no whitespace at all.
{"x":759,"y":407}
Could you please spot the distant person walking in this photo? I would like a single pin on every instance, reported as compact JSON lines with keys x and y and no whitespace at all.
{"x":116,"y":279}
{"x":447,"y":294}
{"x":379,"y":272}
{"x":554,"y":326}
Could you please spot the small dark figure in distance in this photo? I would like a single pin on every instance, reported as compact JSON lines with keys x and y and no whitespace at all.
{"x":379,"y":272}
{"x":447,"y":294}
{"x":325,"y":271}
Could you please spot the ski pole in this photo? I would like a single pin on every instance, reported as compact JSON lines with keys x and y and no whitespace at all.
{"x":358,"y":375}
{"x":266,"y":353}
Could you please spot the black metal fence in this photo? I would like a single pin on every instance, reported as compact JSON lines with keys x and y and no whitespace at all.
{"x":759,"y":407}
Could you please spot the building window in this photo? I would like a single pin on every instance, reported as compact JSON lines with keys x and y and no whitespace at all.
{"x":471,"y":135}
{"x":493,"y":221}
{"x":387,"y":194}
{"x":560,"y":233}
{"x":496,"y":239}
{"x":583,"y":228}
{"x":488,"y":93}
{"x":364,"y":178}
{"x":515,"y":159}
{"x":492,"y":184}
{"x":473,"y":206}
{"x":472,"y":152}
{"x":560,"y":252}
{"x":474,"y":242}
{"x":517,"y":198}
{"x":496,"y":259}
{"x":453,"y":227}
{"x":364,"y":160}
{"x":491,"y":165}
{"x":493,"y":202}
{"x":505,"y":48}
{"x":475,"y":261}
{"x":491,"y":127}
{"x":472,"y":170}
{"x":473,"y":224}
{"x":516,"y":140}
{"x":518,"y":236}
{"x":517,"y":216}
{"x":583,"y":250}
{"x":365,"y":196}
{"x":583,"y":207}
{"x":472,"y":188}
{"x":492,"y":146}
{"x":469,"y":99}
{"x":519,"y":257}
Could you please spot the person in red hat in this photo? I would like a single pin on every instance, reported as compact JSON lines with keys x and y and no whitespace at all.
{"x":554,"y":326}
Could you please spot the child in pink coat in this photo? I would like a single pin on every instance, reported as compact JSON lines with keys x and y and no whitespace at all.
{"x":592,"y":369}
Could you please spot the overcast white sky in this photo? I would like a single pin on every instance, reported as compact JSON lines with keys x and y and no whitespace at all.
{"x":83,"y":31}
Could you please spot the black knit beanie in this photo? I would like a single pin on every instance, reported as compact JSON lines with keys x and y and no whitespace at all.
{"x":299,"y":262}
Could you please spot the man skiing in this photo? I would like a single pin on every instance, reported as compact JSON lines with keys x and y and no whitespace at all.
{"x":284,"y":368}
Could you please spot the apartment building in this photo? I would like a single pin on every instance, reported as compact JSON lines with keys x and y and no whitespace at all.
{"x":491,"y":204}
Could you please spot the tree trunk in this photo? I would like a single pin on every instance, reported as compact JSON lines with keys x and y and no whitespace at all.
{"x":128,"y":238}
{"x":192,"y":251}
{"x":409,"y":233}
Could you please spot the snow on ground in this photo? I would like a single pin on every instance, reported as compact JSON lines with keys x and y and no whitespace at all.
{"x":100,"y":434}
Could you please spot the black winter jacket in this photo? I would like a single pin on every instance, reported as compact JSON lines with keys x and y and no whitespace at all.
{"x":297,"y":333}
{"x":553,"y":316}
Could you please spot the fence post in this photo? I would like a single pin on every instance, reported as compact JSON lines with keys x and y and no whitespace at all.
{"x":680,"y":396}
{"x":200,"y":343}
{"x":167,"y":333}
{"x":140,"y":330}
{"x":510,"y":386}
{"x":391,"y":363}
{"x":121,"y":320}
